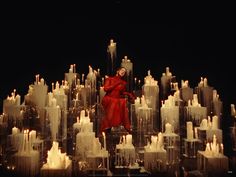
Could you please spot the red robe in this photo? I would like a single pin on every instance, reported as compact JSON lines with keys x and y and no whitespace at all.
{"x":114,"y":104}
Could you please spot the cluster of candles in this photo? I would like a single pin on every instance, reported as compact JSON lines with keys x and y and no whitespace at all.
{"x":56,"y":159}
{"x":214,"y":148}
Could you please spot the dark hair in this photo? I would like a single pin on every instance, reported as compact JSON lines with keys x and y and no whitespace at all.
{"x":119,"y":68}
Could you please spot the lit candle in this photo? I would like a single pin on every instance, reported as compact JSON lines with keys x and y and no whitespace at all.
{"x":75,"y":79}
{"x":14,"y":93}
{"x":52,"y":87}
{"x":129,"y":139}
{"x":104,"y":139}
{"x":209,"y":122}
{"x":74,"y":68}
{"x":222,"y":148}
{"x":215,"y":122}
{"x":189,"y":130}
{"x":57,"y":86}
{"x":160,"y":141}
{"x":139,"y":82}
{"x":232,"y":110}
{"x":36,"y":78}
{"x":82,"y":78}
{"x":32,"y":135}
{"x":42,"y":81}
{"x":208,"y":147}
{"x":14,"y":130}
{"x":71,"y":69}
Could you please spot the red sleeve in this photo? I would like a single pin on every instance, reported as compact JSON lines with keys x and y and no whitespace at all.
{"x":131,"y":96}
{"x":108,"y":85}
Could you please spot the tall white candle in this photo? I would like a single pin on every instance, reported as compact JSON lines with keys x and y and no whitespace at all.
{"x":189,"y":130}
{"x":82,"y":78}
{"x":104,"y":139}
{"x":196,"y":134}
{"x":209,"y":121}
{"x":222,"y":148}
{"x":74,"y":68}
{"x":232,"y":110}
{"x":129,"y":139}
{"x":52,"y":87}
{"x":42,"y":81}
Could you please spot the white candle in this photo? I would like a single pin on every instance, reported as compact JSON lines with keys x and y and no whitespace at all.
{"x":57,"y":85}
{"x":52,"y":87}
{"x":129,"y":139}
{"x":74,"y":68}
{"x":37,"y":78}
{"x":82,"y":78}
{"x":160,"y":141}
{"x":168,"y":128}
{"x":215,"y":122}
{"x":32,"y":135}
{"x":77,"y":96}
{"x":189,"y":102}
{"x":25,"y":141}
{"x":204,"y":124}
{"x":214,"y":139}
{"x":104,"y":139}
{"x":71,"y":69}
{"x":208,"y":147}
{"x":189,"y":130}
{"x":153,"y":142}
{"x":195,"y":131}
{"x":14,"y":130}
{"x":124,"y":140}
{"x":232,"y":110}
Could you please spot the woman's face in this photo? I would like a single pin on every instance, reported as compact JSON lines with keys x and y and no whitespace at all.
{"x":121,"y":72}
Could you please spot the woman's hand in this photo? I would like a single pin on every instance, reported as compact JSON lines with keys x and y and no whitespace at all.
{"x":131,"y":97}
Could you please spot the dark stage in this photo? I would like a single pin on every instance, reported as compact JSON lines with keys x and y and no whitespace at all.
{"x":194,"y":42}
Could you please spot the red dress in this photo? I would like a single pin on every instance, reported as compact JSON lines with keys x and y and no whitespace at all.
{"x":114,"y":104}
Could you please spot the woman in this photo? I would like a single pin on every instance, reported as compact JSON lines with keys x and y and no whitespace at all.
{"x":114,"y":102}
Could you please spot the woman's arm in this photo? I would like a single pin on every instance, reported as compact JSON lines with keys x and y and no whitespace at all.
{"x":108,"y":85}
{"x":131,"y":96}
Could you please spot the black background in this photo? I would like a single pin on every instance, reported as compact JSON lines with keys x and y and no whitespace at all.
{"x":194,"y":40}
